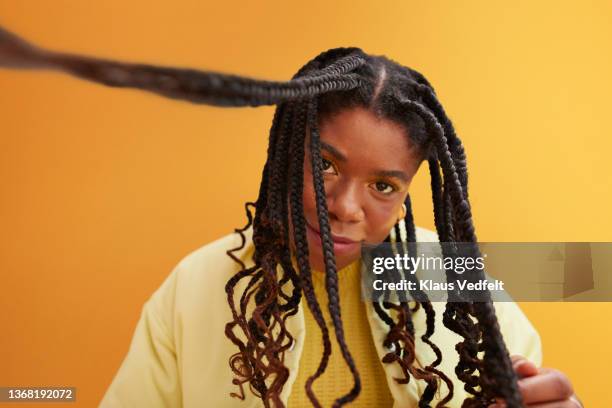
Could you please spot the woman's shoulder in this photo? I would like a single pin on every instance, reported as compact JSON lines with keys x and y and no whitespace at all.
{"x":195,"y":288}
{"x":209,"y":265}
{"x":199,"y":277}
{"x":216,"y":251}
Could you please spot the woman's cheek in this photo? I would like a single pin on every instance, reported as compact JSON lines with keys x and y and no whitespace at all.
{"x":379,"y":223}
{"x":309,"y":198}
{"x":307,"y":201}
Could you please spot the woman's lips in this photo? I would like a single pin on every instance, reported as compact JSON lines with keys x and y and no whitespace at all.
{"x":341,"y":244}
{"x":342,"y":240}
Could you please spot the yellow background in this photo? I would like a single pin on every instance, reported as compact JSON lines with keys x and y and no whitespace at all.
{"x":104,"y":190}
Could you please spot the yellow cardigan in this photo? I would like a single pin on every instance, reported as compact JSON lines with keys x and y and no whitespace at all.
{"x":178,"y":356}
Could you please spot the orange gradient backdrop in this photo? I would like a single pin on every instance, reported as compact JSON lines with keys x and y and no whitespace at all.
{"x":103,"y":190}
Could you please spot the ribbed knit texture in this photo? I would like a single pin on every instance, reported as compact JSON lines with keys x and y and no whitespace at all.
{"x":337,"y":379}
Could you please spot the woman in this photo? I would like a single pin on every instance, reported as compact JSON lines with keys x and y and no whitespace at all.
{"x":349,"y":133}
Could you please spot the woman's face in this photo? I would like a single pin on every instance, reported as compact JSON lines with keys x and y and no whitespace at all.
{"x":368,"y":164}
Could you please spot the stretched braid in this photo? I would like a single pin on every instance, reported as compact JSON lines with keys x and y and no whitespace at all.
{"x":197,"y":86}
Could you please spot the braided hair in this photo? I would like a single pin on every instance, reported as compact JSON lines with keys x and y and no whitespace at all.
{"x":336,"y":79}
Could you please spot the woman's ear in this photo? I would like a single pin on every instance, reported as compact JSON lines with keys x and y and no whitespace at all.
{"x":402,"y":213}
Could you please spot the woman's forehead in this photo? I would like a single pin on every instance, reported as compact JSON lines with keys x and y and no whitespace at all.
{"x":359,"y":135}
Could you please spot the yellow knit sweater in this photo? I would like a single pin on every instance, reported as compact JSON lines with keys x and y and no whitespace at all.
{"x":337,"y":379}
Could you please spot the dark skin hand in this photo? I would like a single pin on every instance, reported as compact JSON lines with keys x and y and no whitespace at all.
{"x":542,"y":387}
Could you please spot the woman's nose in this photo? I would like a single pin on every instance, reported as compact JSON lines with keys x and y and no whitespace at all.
{"x":344,"y":204}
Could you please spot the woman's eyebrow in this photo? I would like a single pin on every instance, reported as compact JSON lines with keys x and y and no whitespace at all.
{"x":379,"y":173}
{"x":393,"y":173}
{"x":333,"y":151}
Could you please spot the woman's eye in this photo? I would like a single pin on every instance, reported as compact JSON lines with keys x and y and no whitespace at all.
{"x":384,"y":188}
{"x":327,"y":165}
